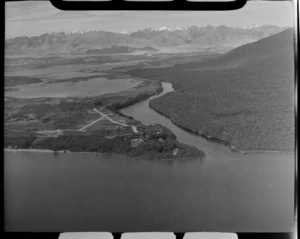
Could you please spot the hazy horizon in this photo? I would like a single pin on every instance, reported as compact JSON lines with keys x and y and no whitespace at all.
{"x":99,"y":30}
{"x":32,"y":18}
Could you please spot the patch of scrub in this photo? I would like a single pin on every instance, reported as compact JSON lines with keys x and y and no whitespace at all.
{"x":93,"y":87}
{"x":68,"y":75}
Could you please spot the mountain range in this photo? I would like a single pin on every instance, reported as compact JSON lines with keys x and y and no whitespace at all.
{"x":162,"y":39}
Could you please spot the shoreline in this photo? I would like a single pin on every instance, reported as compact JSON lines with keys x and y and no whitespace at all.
{"x":68,"y":151}
{"x":219,"y":141}
{"x":95,"y":153}
{"x":118,"y":107}
{"x":35,"y":150}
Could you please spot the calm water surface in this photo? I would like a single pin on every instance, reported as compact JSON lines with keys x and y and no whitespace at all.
{"x":94,"y":192}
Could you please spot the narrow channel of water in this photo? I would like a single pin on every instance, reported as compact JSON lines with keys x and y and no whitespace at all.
{"x":227,"y":192}
{"x":213,"y":151}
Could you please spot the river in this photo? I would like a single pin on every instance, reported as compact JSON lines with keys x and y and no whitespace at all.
{"x":226,"y":191}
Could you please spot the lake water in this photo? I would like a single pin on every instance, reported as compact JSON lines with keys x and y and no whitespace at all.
{"x":226,"y":191}
{"x":92,"y":87}
{"x":68,"y":71}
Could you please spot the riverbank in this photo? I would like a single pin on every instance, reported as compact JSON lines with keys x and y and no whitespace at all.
{"x":111,"y":132}
{"x":216,"y":140}
{"x":207,"y":137}
{"x":238,"y":99}
{"x":230,"y":146}
{"x":116,"y":107}
{"x":32,"y":150}
{"x":152,"y":142}
{"x":200,"y":156}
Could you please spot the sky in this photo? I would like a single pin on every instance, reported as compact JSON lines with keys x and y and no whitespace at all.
{"x":33,"y":18}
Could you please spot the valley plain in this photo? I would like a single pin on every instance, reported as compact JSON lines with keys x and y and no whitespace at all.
{"x":113,"y":122}
{"x":74,"y":107}
{"x":243,"y":99}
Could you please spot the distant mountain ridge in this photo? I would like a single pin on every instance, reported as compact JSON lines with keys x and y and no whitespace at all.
{"x":193,"y":38}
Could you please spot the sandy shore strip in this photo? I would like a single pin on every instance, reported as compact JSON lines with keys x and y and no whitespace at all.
{"x":52,"y":151}
{"x":266,"y":152}
{"x":35,"y":150}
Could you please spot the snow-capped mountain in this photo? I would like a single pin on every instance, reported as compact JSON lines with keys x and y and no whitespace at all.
{"x":167,"y":28}
{"x":193,"y":38}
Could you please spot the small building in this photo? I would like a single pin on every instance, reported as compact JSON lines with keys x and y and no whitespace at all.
{"x":175,"y":151}
{"x":161,"y":140}
{"x":135,"y":142}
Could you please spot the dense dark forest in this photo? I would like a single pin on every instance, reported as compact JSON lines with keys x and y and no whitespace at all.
{"x":11,"y":81}
{"x":244,"y":98}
